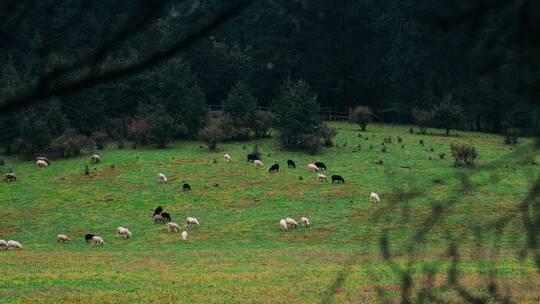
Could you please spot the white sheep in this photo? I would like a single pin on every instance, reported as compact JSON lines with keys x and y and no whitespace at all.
{"x":257,"y":163}
{"x":291,"y":223}
{"x":158,"y":219}
{"x":305,"y":221}
{"x":227,"y":158}
{"x":96,"y":240}
{"x":322,"y":178}
{"x":95,"y":159}
{"x":283,"y":225}
{"x":3,"y":245}
{"x":312,"y":167}
{"x":41,"y":163}
{"x":62,"y":238}
{"x":184,"y":235}
{"x":192,"y":221}
{"x":374,"y":197}
{"x":161,"y":178}
{"x":124,"y":233}
{"x":173,"y":227}
{"x":14,"y":244}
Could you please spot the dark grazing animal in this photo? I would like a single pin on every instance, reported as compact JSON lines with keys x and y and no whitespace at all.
{"x":337,"y":179}
{"x":291,"y":164}
{"x":89,"y":237}
{"x":158,"y":210}
{"x":274,"y":168}
{"x":10,"y":177}
{"x":186,"y":187}
{"x":166,"y":216}
{"x":320,"y":165}
{"x":252,"y":157}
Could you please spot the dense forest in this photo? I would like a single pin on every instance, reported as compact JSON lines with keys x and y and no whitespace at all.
{"x":394,"y":57}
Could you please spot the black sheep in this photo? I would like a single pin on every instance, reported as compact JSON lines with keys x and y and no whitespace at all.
{"x":252,"y":157}
{"x":320,"y":165}
{"x":89,"y":237}
{"x":158,"y":210}
{"x":186,"y":187}
{"x":274,"y":168}
{"x":166,"y":216}
{"x":291,"y":164}
{"x":337,"y":179}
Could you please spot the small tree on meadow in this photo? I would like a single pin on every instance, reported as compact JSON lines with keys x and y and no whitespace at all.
{"x":240,"y":104}
{"x":296,"y":113}
{"x":212,"y":133}
{"x":362,"y":115}
{"x":261,"y":124}
{"x":448,"y":114}
{"x":160,"y":124}
{"x":422,"y":119}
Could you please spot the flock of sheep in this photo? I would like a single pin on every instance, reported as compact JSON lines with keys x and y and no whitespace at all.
{"x":164,"y":217}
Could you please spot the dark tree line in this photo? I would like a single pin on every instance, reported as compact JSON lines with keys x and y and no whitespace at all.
{"x":387,"y":55}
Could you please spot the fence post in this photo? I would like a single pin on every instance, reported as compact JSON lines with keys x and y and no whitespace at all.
{"x":330,"y":114}
{"x":350,"y":113}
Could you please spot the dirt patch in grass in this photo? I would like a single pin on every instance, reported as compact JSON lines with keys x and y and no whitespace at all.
{"x":191,"y":161}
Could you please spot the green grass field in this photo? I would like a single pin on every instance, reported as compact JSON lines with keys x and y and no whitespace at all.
{"x":239,"y":254}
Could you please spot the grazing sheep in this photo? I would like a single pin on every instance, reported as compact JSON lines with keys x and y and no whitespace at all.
{"x":62,"y":238}
{"x":227,"y":158}
{"x":161,"y":178}
{"x":291,"y":223}
{"x":320,"y":165}
{"x":186,"y":187}
{"x":321,"y":178}
{"x":283,"y":225}
{"x":3,"y":245}
{"x":257,"y":163}
{"x":41,"y":163}
{"x":184,"y":235}
{"x":305,"y":221}
{"x":274,"y":168}
{"x":158,"y":210}
{"x":94,"y":159}
{"x":158,"y":219}
{"x":378,"y":162}
{"x":124,"y":233}
{"x":374,"y":197}
{"x":43,"y":158}
{"x":191,"y":221}
{"x":291,"y":164}
{"x":14,"y":244}
{"x":96,"y":240}
{"x":173,"y":227}
{"x":312,"y":167}
{"x":166,"y":216}
{"x":10,"y":177}
{"x":88,"y":237}
{"x":253,"y":157}
{"x":337,"y":179}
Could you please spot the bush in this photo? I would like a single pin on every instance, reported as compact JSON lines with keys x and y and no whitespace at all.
{"x":212,"y":133}
{"x":463,"y":155}
{"x":100,"y":138}
{"x":261,"y":124}
{"x":327,"y":134}
{"x":310,"y":143}
{"x":512,"y":135}
{"x":160,"y":124}
{"x":118,"y":131}
{"x":240,"y":105}
{"x":71,"y":143}
{"x":362,"y":115}
{"x":448,"y":114}
{"x":138,"y":131}
{"x":422,"y":119}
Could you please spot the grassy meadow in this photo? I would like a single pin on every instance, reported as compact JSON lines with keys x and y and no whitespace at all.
{"x":238,"y":254}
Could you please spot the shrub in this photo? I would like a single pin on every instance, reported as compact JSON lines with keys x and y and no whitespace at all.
{"x":422,"y":119}
{"x":138,"y":131}
{"x":71,"y":143}
{"x":463,"y":155}
{"x":327,"y":134}
{"x":160,"y":124}
{"x":100,"y":138}
{"x":118,"y":131}
{"x":448,"y":114}
{"x":261,"y":124}
{"x":212,"y":133}
{"x":362,"y":116}
{"x":512,"y":135}
{"x":310,"y":143}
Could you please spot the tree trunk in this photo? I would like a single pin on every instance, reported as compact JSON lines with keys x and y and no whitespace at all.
{"x":447,"y":131}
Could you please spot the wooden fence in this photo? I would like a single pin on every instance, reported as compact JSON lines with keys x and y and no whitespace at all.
{"x":326,"y":113}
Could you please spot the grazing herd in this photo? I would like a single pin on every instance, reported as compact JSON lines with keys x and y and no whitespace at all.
{"x":163,"y":217}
